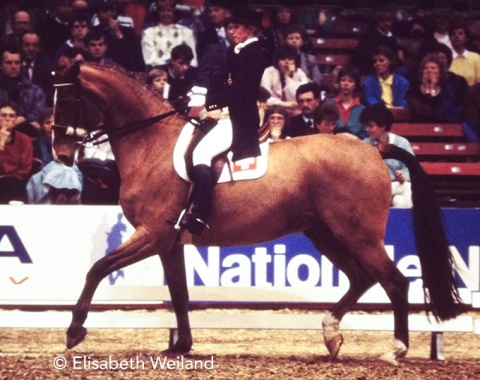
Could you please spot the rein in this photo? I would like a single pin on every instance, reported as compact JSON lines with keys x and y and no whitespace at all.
{"x":93,"y":138}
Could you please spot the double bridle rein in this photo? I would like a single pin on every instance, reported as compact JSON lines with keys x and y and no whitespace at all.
{"x":94,"y":138}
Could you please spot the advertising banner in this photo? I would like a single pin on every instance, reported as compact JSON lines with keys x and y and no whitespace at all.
{"x":46,"y":252}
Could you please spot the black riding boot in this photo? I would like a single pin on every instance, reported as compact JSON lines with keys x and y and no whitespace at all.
{"x":194,"y":219}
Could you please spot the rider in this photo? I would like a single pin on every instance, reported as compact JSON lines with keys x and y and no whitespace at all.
{"x":238,"y":91}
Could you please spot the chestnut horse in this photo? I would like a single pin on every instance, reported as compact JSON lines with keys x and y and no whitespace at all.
{"x":334,"y":190}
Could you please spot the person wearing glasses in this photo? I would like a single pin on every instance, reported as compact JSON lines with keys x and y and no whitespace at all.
{"x":16,"y":156}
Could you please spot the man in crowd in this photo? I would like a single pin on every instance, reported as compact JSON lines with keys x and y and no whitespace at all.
{"x":308,"y":99}
{"x":36,"y":66}
{"x":28,"y":97}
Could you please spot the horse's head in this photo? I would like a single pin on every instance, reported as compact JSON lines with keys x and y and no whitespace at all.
{"x":75,"y":109}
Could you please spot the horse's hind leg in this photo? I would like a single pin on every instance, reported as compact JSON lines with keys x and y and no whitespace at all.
{"x":396,"y":286}
{"x":174,"y":269}
{"x":360,"y":282}
{"x":138,"y":247}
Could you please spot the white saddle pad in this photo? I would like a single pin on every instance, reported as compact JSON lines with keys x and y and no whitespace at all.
{"x":248,"y":168}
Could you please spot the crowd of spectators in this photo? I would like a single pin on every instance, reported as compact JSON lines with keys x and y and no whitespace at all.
{"x":424,"y":61}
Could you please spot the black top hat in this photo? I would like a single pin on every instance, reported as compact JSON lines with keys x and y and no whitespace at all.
{"x":221,"y":3}
{"x":105,"y":5}
{"x":246,"y":16}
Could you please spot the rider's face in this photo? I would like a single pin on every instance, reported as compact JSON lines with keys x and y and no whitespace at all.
{"x":239,"y":32}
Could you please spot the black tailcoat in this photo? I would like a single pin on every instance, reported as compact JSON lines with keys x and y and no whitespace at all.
{"x":239,"y":92}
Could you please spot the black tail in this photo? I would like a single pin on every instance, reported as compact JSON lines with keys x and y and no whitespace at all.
{"x":432,"y":244}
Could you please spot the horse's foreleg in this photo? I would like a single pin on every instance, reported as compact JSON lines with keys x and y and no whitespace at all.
{"x":174,"y":269}
{"x":135,"y":249}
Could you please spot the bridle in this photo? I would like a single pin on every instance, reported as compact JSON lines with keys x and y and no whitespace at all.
{"x":88,"y":139}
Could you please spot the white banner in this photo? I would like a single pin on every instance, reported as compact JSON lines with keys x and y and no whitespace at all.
{"x":46,"y":252}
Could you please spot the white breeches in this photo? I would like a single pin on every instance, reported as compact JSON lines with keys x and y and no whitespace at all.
{"x":217,"y":141}
{"x":401,"y":194}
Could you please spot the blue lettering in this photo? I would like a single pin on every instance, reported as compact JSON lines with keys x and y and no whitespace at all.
{"x":17,"y":249}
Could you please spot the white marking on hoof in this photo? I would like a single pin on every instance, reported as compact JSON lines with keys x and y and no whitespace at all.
{"x":399,"y":351}
{"x":333,"y":338}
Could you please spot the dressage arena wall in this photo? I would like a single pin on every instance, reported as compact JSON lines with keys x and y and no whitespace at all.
{"x":46,"y":251}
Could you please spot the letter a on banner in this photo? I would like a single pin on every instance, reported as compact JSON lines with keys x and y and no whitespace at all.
{"x":12,"y":246}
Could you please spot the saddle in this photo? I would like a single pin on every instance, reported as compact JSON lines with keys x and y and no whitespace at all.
{"x":224,"y":169}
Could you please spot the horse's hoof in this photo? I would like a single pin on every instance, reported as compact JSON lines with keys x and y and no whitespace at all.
{"x":333,"y":345}
{"x":177,"y":349}
{"x":75,"y":335}
{"x":399,"y":352}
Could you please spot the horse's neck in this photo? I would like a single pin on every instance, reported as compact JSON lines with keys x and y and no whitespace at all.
{"x":128,"y":102}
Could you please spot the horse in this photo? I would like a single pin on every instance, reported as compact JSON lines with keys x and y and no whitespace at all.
{"x":334,"y":190}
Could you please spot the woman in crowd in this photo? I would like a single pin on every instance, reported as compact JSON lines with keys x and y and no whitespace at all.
{"x":283,"y":78}
{"x":244,"y":69}
{"x":159,"y":40}
{"x":385,"y":86}
{"x":348,"y":103}
{"x":378,"y":120}
{"x":277,"y":119}
{"x":295,"y":37}
{"x":433,"y":98}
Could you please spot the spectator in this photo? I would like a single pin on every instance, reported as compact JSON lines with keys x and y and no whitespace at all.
{"x":277,"y":119}
{"x":274,"y":36}
{"x":157,"y":81}
{"x":79,"y":27}
{"x":283,"y":78}
{"x":179,"y":72}
{"x":101,"y":179}
{"x":379,"y":119}
{"x":55,"y":29}
{"x":295,"y":37}
{"x":30,"y":100}
{"x":16,"y":155}
{"x":215,"y":32}
{"x":97,"y":46}
{"x":123,"y":45}
{"x":33,"y":134}
{"x":434,"y":98}
{"x":21,"y":23}
{"x":456,"y":81}
{"x":308,"y":99}
{"x":379,"y":33}
{"x":348,"y":103}
{"x":438,"y":32}
{"x":60,"y":181}
{"x":71,"y":56}
{"x":325,"y":118}
{"x":37,"y":66}
{"x":158,"y":41}
{"x":465,"y":62}
{"x":42,"y":149}
{"x":263,"y":96}
{"x":471,"y":127}
{"x":212,"y":64}
{"x":114,"y":9}
{"x":385,"y":86}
